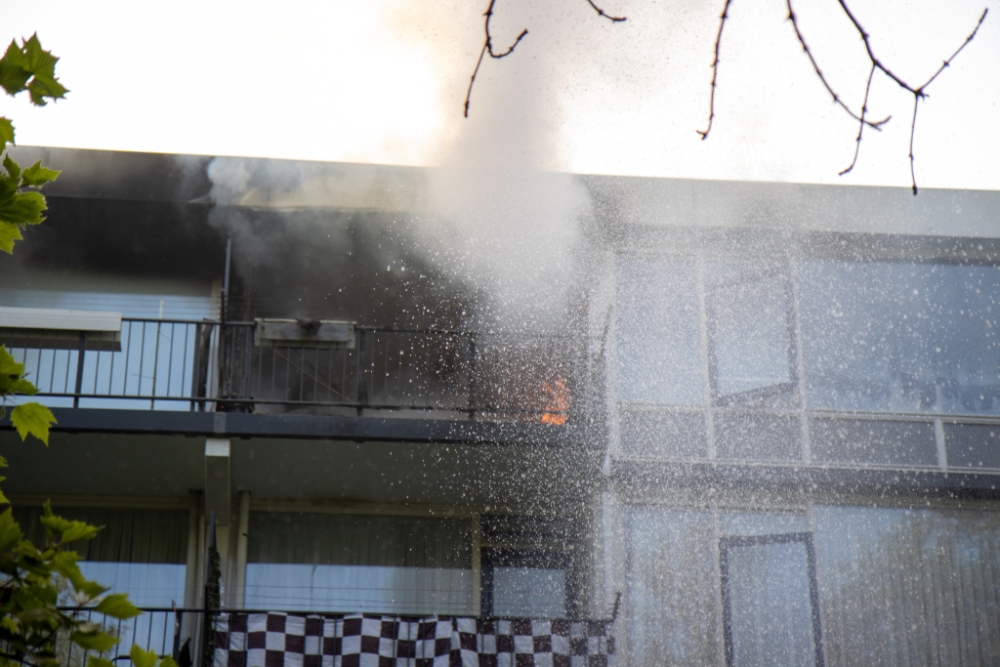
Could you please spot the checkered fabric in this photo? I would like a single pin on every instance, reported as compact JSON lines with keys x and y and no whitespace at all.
{"x":278,"y":639}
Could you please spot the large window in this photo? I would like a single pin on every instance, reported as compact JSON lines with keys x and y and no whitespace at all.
{"x":882,"y":586}
{"x":876,"y":336}
{"x":659,"y":348}
{"x":346,"y":563}
{"x":750,"y":333}
{"x":901,"y":337}
{"x":141,"y":552}
{"x":674,"y":587}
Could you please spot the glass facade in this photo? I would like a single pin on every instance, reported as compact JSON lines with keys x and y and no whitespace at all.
{"x":901,"y":337}
{"x":348,"y":563}
{"x":885,"y":586}
{"x":762,"y":345}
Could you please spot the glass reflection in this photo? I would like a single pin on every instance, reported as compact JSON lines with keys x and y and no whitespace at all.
{"x":659,"y":353}
{"x":768,"y":608}
{"x":901,"y":337}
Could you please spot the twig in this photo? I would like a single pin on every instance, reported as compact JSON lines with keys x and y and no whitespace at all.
{"x":715,"y":72}
{"x":488,"y":48}
{"x":877,"y":125}
{"x":916,"y":91}
{"x":601,"y":12}
{"x":861,"y":125}
{"x":913,"y":129}
{"x":488,"y":44}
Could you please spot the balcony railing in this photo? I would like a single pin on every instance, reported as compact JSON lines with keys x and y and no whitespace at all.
{"x":208,"y":365}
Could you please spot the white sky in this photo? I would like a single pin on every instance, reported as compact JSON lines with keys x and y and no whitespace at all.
{"x":383,"y":81}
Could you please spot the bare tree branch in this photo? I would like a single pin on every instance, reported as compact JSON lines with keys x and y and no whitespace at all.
{"x":488,"y":44}
{"x":918,"y":92}
{"x":488,"y":48}
{"x":861,"y":125}
{"x":877,"y":125}
{"x":913,"y":129}
{"x":715,"y":71}
{"x":601,"y":12}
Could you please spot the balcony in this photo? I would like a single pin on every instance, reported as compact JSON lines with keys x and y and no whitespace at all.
{"x":209,"y":366}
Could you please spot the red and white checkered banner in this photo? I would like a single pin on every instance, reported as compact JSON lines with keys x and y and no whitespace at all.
{"x":278,"y":639}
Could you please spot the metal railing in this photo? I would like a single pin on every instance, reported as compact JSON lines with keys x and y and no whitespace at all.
{"x":208,"y":365}
{"x":181,"y":633}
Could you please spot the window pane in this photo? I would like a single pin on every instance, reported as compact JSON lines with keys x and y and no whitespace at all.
{"x":347,"y":588}
{"x":332,"y":562}
{"x":532,"y":592}
{"x":141,"y":552}
{"x":659,"y":354}
{"x":770,"y":611}
{"x":672,"y":588}
{"x":906,"y":587}
{"x":751,"y":337}
{"x":901,"y":337}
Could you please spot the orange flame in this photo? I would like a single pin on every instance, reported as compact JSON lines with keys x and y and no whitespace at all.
{"x":557,"y":393}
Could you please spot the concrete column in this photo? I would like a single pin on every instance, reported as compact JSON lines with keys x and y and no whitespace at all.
{"x":218,"y":498}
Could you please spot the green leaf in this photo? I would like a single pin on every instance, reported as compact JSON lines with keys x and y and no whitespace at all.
{"x":10,"y":625}
{"x":13,"y":168}
{"x":93,"y":641}
{"x":118,"y":606}
{"x":13,"y":75}
{"x":6,"y":131}
{"x":35,"y":419}
{"x":142,"y":658}
{"x":12,"y":375}
{"x":94,"y":661}
{"x":36,"y":175}
{"x":45,"y":86}
{"x":3,"y":498}
{"x":167,"y":662}
{"x":23,"y":208}
{"x":9,"y":232}
{"x":10,"y":532}
{"x":79,"y":531}
{"x":32,"y":68}
{"x":64,"y":563}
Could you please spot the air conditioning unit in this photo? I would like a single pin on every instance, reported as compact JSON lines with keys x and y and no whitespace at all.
{"x":303,"y":332}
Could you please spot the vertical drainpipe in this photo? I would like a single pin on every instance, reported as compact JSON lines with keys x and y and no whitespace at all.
{"x":477,"y":565}
{"x":242,"y":541}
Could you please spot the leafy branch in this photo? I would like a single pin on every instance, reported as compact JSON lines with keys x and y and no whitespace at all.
{"x":25,"y":68}
{"x":30,"y":620}
{"x":30,"y":68}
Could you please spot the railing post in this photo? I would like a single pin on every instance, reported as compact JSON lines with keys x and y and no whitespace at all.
{"x":362,"y":381}
{"x":195,"y":366}
{"x":82,"y":348}
{"x":472,"y":377}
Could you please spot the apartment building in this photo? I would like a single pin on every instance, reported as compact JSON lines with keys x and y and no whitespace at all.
{"x":764,"y":428}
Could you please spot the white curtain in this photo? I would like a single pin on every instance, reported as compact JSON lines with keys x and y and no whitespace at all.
{"x":385,"y":564}
{"x":909,"y":587}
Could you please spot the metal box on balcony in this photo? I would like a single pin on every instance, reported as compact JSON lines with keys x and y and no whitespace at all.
{"x":305,"y":333}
